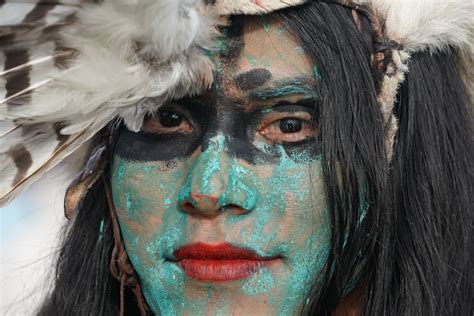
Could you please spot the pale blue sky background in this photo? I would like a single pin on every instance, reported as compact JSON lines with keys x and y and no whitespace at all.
{"x":29,"y":232}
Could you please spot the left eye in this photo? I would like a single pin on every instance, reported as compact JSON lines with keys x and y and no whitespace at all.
{"x":289,"y":129}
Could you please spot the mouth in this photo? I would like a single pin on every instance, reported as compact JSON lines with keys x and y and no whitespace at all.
{"x":219,"y":262}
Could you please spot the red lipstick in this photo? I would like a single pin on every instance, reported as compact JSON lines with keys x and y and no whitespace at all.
{"x":219,"y":262}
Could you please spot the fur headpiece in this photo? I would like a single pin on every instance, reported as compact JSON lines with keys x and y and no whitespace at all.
{"x":69,"y":67}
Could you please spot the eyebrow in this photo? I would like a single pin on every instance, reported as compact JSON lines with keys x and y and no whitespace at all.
{"x":285,"y":87}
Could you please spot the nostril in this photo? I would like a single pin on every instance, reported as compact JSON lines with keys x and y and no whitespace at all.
{"x":236,"y":209}
{"x":188,"y":207}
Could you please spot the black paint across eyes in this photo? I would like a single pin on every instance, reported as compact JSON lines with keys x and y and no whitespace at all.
{"x":238,"y":126}
{"x":162,"y":147}
{"x":147,"y":147}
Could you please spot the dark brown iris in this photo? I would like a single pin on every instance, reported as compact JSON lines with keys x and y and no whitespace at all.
{"x":288,"y":126}
{"x":170,"y":119}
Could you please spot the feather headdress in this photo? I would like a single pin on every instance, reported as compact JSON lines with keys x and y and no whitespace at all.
{"x":69,"y":67}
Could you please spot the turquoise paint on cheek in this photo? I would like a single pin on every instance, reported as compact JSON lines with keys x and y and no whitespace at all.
{"x":260,"y":283}
{"x":285,"y":180}
{"x":163,"y":283}
{"x":290,"y":178}
{"x":133,"y":201}
{"x":258,"y":239}
{"x":307,"y":263}
{"x":223,"y":310}
{"x":128,"y":200}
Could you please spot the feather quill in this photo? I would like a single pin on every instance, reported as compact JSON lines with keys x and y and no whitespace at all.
{"x":111,"y":72}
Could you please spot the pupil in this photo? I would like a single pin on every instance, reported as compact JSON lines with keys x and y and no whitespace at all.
{"x":170,"y":119}
{"x":290,"y":126}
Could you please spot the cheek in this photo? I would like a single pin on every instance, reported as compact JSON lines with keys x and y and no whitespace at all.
{"x":144,"y":195}
{"x":295,"y":190}
{"x":305,"y":227}
{"x":292,"y":215}
{"x":143,"y":189}
{"x":305,"y":209}
{"x":292,"y":205}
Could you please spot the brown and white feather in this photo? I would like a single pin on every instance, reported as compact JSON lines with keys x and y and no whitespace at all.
{"x":49,"y":109}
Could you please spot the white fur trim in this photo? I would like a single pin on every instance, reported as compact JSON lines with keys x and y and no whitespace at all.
{"x":226,"y":7}
{"x":431,"y":25}
{"x":416,"y":24}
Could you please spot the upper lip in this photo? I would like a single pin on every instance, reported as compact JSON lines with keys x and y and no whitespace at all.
{"x":221,"y":251}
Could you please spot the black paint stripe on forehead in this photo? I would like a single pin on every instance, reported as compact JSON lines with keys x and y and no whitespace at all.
{"x":252,"y":79}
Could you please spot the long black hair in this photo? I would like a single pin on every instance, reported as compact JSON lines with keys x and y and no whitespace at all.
{"x":402,"y":227}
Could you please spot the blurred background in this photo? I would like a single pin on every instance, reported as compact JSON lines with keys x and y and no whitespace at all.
{"x":30,"y":235}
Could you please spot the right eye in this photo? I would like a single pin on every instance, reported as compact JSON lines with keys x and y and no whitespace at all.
{"x":166,"y":122}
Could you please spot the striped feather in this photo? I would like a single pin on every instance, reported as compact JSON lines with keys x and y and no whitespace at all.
{"x":30,"y":55}
{"x":62,"y":81}
{"x":36,"y":149}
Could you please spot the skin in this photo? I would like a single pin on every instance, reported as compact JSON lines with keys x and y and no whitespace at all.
{"x":228,"y":173}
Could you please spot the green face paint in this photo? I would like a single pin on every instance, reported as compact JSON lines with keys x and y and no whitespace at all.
{"x":284,"y":214}
{"x":273,"y":204}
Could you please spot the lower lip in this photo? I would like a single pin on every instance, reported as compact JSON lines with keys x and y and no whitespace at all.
{"x":221,"y":270}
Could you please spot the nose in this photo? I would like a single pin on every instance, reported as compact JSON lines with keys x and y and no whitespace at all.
{"x":217,"y":183}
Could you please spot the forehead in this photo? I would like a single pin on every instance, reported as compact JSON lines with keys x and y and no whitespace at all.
{"x":255,"y":52}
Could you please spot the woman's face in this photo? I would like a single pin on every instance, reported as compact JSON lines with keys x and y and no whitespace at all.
{"x":220,"y":197}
